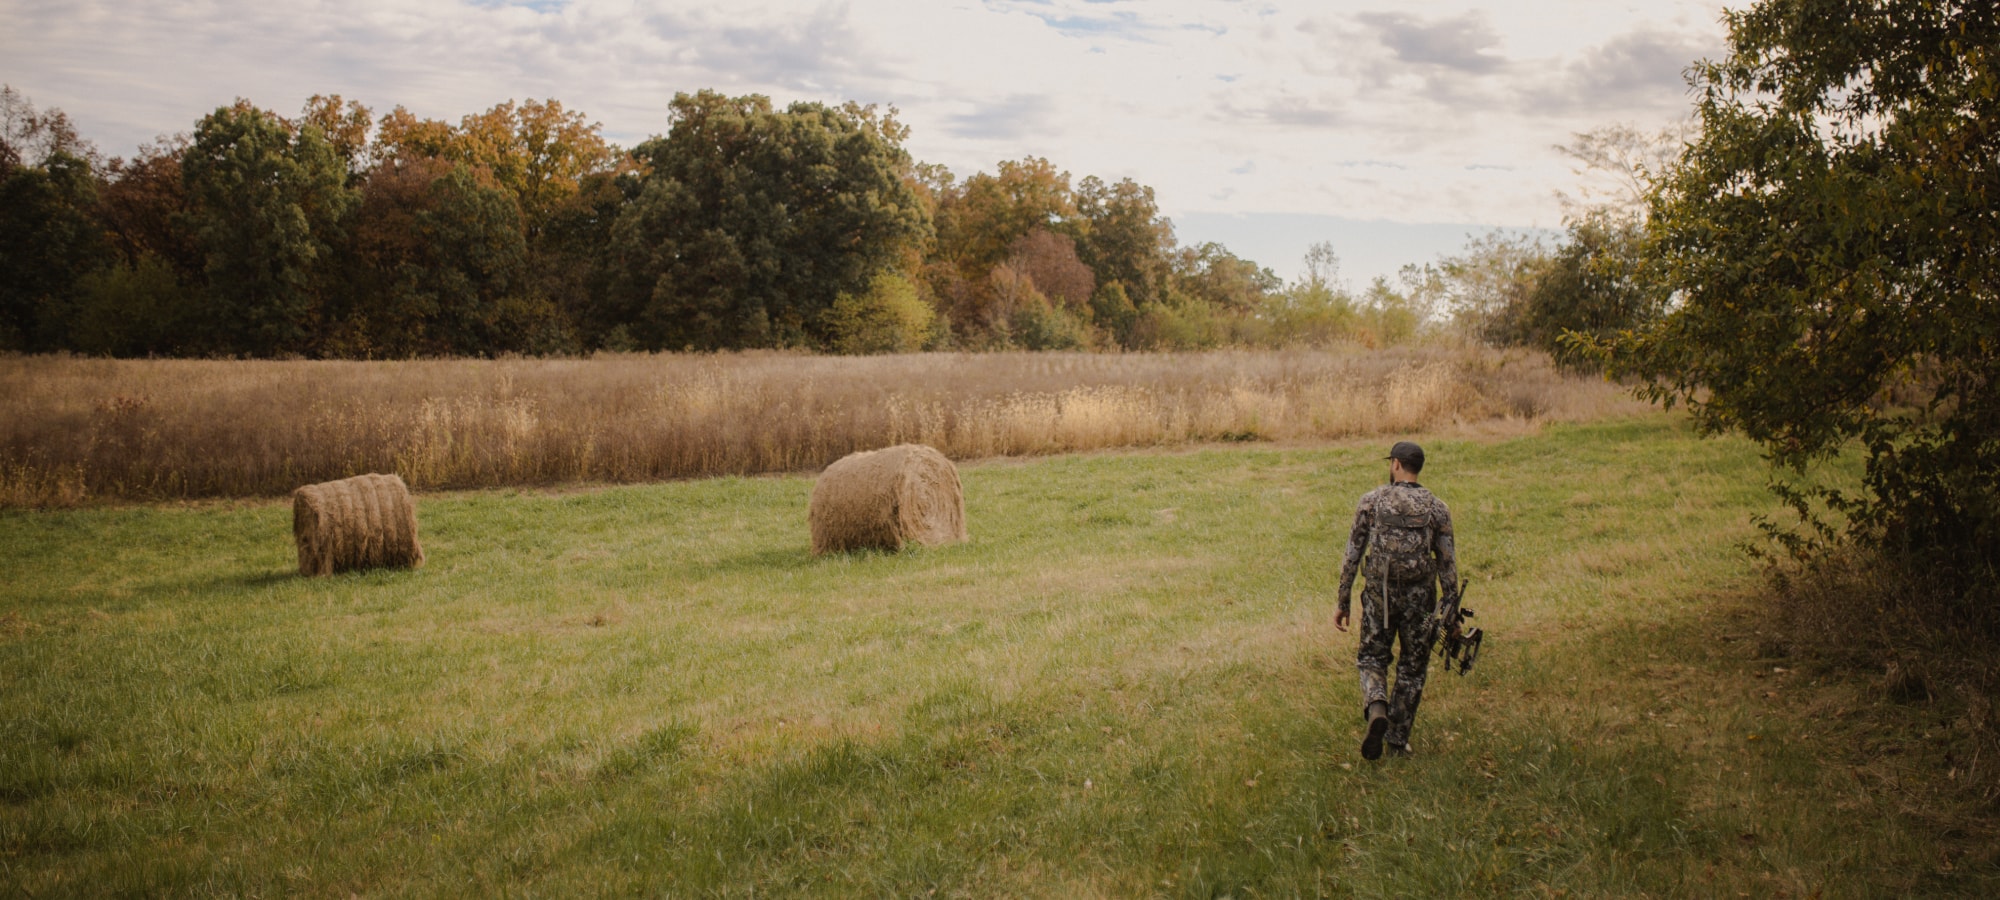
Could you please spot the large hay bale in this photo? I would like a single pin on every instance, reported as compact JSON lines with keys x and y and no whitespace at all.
{"x":884,"y":498}
{"x":363,"y":522}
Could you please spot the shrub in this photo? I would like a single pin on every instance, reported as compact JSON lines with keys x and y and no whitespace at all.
{"x":889,"y":317}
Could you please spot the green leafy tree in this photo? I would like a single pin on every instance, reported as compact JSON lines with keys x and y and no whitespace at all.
{"x":1831,"y":240}
{"x":1387,"y":315}
{"x":49,"y":236}
{"x":1594,"y":283}
{"x":1046,"y":326}
{"x":48,"y":241}
{"x":1220,"y":278}
{"x":751,"y":221}
{"x":1049,"y":327}
{"x":1486,"y":285}
{"x":1112,"y":310}
{"x":266,"y":205}
{"x":1179,"y":322}
{"x":569,"y":264}
{"x":1593,"y":287}
{"x":1124,"y":238}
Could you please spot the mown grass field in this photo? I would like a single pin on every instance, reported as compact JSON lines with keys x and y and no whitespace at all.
{"x":1126,"y":684}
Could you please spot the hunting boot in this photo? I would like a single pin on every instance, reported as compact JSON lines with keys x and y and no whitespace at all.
{"x":1378,"y":725}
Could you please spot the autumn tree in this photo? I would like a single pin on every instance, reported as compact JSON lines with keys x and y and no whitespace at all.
{"x":1830,"y":238}
{"x":981,"y":224}
{"x":436,"y":265}
{"x":143,"y":205}
{"x":1050,"y":261}
{"x":568,"y":181}
{"x":400,"y":134}
{"x":988,"y":213}
{"x":751,"y":221}
{"x":537,"y":149}
{"x":144,"y":300}
{"x":345,"y":124}
{"x":569,"y":261}
{"x":30,"y":137}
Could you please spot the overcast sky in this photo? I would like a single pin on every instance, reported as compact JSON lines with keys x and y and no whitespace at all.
{"x":1391,"y":130}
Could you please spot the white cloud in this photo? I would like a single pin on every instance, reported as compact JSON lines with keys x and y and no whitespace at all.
{"x":1362,"y":110}
{"x":1464,"y":42}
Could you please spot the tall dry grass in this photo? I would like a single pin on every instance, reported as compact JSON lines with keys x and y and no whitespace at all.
{"x":75,"y":430}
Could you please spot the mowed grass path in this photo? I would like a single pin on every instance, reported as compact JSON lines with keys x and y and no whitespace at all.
{"x":1127,"y":684}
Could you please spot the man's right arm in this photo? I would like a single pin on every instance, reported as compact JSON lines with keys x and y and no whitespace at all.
{"x":1445,"y":548}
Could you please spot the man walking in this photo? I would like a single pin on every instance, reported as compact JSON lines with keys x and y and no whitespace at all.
{"x":1402,"y":540}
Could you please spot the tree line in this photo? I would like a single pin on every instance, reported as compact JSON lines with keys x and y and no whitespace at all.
{"x":339,"y":233}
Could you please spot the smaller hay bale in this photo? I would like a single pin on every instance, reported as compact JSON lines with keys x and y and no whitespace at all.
{"x":364,"y":522}
{"x":884,"y":498}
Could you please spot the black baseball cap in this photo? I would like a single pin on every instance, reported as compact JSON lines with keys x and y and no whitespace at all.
{"x":1408,"y":452}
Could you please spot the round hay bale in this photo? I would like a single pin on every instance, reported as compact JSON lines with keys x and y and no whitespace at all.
{"x":884,"y":498}
{"x":363,"y":522}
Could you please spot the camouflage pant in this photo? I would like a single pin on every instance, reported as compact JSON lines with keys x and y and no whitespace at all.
{"x":1409,"y":608}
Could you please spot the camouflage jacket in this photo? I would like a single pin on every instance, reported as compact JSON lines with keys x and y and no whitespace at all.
{"x":1404,"y":531}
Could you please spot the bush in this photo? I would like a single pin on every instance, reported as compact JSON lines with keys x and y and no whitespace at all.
{"x":135,"y":310}
{"x":887,"y":318}
{"x":1181,"y":323}
{"x":1390,"y":315}
{"x":1042,"y":326}
{"x":1594,"y":287}
{"x":1312,"y":313}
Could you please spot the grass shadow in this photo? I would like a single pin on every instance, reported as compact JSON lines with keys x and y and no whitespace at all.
{"x":246,"y":581}
{"x":1800,"y":757}
{"x":767,"y":559}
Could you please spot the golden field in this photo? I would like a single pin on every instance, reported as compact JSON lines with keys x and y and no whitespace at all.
{"x":76,"y":431}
